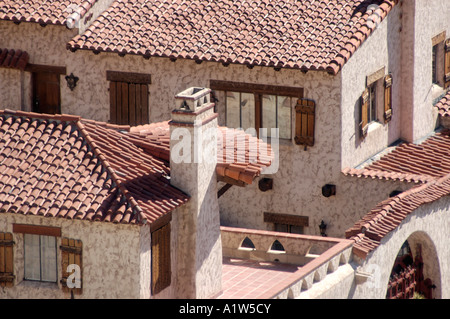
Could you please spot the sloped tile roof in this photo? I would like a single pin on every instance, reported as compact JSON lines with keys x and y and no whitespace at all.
{"x":305,"y":34}
{"x":443,"y":105}
{"x":42,"y":11}
{"x":419,"y":163}
{"x":15,"y":59}
{"x":240,"y":156}
{"x":387,"y":216}
{"x":64,"y":166}
{"x":427,"y":164}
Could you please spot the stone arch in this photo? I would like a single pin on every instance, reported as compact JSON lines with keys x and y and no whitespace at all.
{"x":422,"y":249}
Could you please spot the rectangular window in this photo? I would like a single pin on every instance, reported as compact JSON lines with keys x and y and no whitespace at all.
{"x":287,"y":223}
{"x":40,"y":258}
{"x":434,"y":64}
{"x":286,"y":228}
{"x":372,"y":112}
{"x":259,"y":107}
{"x":247,"y":111}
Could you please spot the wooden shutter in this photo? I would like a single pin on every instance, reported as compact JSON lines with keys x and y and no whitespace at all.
{"x":447,"y":64}
{"x":128,"y":103}
{"x":6,"y":260}
{"x":161,"y":266}
{"x":71,"y":253}
{"x":304,"y":122}
{"x":387,"y":98}
{"x":364,"y":113}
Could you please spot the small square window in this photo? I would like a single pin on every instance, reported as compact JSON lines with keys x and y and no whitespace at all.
{"x":40,"y":258}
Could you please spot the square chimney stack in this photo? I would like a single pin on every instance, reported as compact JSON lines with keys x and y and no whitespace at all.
{"x":193,"y":161}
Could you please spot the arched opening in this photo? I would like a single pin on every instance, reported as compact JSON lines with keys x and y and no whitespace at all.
{"x":247,"y":244}
{"x":415,"y":272}
{"x":277,"y":246}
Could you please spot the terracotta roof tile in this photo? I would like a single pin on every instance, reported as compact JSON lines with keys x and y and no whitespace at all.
{"x":16,"y":59}
{"x":243,"y":156}
{"x":313,"y":35}
{"x":387,"y":216}
{"x":42,"y":11}
{"x":443,"y":105}
{"x":419,"y":163}
{"x":64,"y":166}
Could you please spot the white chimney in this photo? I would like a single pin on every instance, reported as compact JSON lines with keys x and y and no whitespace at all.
{"x":193,"y":159}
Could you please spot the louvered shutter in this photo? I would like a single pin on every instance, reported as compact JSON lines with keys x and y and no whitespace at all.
{"x":364,"y":113}
{"x":6,"y":260}
{"x":161,"y":266}
{"x":447,"y":64}
{"x":387,"y":98}
{"x":305,"y":122}
{"x":71,"y":254}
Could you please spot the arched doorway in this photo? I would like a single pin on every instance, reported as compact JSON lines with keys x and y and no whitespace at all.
{"x":415,"y":272}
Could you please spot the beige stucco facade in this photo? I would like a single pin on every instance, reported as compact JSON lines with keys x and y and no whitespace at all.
{"x":401,"y":45}
{"x":425,"y":227}
{"x":116,"y":259}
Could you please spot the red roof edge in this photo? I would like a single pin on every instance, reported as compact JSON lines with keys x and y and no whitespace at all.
{"x":368,"y":232}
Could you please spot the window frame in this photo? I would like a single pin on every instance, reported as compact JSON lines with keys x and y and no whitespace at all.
{"x":287,"y":220}
{"x":27,"y":229}
{"x":258,"y":91}
{"x":438,"y":59}
{"x":41,"y":259}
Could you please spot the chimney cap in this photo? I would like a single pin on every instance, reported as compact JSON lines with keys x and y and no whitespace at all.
{"x":192,"y":98}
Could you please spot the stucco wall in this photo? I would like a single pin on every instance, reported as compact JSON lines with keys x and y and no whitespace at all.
{"x":115,"y":259}
{"x":381,"y":50}
{"x":422,"y":20}
{"x":427,"y":226}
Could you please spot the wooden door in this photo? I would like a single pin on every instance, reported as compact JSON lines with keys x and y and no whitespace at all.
{"x":46,"y":93}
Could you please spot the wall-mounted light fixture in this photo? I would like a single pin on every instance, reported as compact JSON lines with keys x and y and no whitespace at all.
{"x":329,"y":190}
{"x":265,"y":184}
{"x":323,"y":229}
{"x":72,"y":81}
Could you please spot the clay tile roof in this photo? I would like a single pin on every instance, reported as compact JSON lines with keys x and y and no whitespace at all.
{"x":240,"y":157}
{"x":65,"y":166}
{"x":368,"y":232}
{"x":15,"y":59}
{"x":42,"y":11}
{"x":443,"y":105}
{"x":418,"y":163}
{"x":304,"y":34}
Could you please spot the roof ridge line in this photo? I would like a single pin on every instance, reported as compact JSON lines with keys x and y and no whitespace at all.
{"x":114,"y":176}
{"x":41,"y":116}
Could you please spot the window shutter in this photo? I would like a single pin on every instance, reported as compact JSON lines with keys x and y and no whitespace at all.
{"x":387,"y":98}
{"x":364,"y":111}
{"x":305,"y":122}
{"x":128,"y":103}
{"x":71,"y":253}
{"x":161,"y":267}
{"x":6,"y":260}
{"x":447,"y":64}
